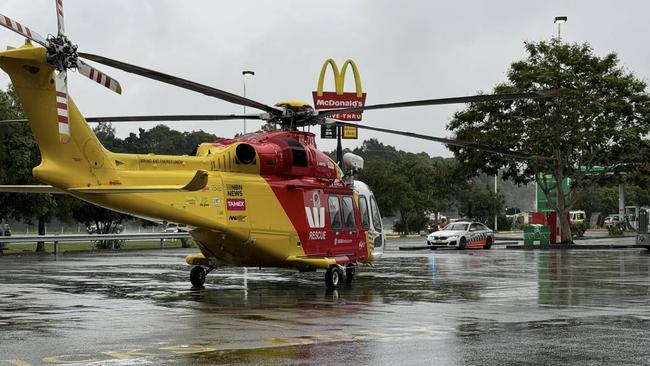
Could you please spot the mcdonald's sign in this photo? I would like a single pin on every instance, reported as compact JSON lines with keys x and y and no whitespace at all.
{"x":339,"y":98}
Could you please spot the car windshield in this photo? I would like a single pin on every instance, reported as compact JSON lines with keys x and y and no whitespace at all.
{"x":457,"y":226}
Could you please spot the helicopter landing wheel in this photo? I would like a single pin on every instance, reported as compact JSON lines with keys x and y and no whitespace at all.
{"x":349,"y":274}
{"x":333,"y":277}
{"x":197,"y":276}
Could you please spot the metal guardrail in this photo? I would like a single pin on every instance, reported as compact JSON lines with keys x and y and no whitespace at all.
{"x":70,"y":238}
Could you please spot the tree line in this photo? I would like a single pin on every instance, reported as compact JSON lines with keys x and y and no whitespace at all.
{"x":594,"y":134}
{"x":415,"y":187}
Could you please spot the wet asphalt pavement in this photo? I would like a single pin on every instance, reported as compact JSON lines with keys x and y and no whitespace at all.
{"x":441,"y":307}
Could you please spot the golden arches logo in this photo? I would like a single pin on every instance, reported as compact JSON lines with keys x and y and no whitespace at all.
{"x":339,"y":99}
{"x":339,"y":77}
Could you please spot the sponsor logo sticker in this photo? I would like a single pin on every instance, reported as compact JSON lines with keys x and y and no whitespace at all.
{"x":315,"y":214}
{"x":234,"y":190}
{"x":236,"y":204}
{"x":342,"y":241}
{"x":239,"y":218}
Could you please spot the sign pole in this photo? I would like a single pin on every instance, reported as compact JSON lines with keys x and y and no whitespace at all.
{"x":339,"y":146}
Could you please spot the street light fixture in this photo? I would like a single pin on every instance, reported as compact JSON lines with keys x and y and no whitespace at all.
{"x":246,"y":74}
{"x":559,"y":21}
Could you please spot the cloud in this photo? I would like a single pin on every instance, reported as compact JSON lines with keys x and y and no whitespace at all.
{"x":405,"y":50}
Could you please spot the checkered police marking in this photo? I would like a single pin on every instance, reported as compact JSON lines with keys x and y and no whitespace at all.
{"x":480,"y":236}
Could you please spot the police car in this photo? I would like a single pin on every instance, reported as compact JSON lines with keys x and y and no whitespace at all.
{"x":461,"y":235}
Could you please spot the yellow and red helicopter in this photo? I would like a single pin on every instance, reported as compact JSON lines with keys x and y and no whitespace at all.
{"x":264,"y":199}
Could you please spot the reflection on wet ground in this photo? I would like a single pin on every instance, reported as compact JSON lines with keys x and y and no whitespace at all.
{"x":449,"y":307}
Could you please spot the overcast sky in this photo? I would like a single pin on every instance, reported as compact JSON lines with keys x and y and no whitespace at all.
{"x":404,"y":49}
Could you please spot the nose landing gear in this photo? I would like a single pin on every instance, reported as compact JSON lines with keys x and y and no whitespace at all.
{"x":349,"y":274}
{"x":198,"y":275}
{"x":334,"y":276}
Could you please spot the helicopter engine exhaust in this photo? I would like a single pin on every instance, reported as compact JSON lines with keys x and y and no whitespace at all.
{"x":245,"y":154}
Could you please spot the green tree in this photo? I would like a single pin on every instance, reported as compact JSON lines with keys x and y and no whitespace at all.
{"x":599,"y":199}
{"x":600,"y":121}
{"x":103,"y":220}
{"x":604,"y":200}
{"x":163,"y":140}
{"x":410,"y":186}
{"x":480,"y":203}
{"x":105,"y":132}
{"x":19,"y":155}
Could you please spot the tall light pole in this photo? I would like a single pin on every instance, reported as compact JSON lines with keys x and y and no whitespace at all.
{"x":246,"y":74}
{"x":559,"y":21}
{"x":496,"y":191}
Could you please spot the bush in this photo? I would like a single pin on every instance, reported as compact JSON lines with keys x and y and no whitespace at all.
{"x":616,"y":229}
{"x":578,"y":229}
{"x":108,"y":244}
{"x":415,"y":225}
{"x":504,"y":222}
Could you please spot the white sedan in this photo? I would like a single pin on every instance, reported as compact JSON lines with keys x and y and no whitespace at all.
{"x":461,"y":235}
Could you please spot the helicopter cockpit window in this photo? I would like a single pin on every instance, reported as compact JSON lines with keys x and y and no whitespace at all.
{"x":348,"y":213}
{"x":298,"y":153}
{"x":334,"y":212}
{"x":376,"y":219}
{"x":363,"y":208}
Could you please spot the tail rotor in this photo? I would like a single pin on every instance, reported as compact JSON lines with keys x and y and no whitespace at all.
{"x":61,"y":82}
{"x":59,"y":17}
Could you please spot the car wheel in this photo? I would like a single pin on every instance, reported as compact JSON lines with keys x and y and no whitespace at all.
{"x":462,"y":243}
{"x":488,"y":243}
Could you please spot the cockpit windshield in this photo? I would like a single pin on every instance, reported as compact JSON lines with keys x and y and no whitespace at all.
{"x":457,"y":226}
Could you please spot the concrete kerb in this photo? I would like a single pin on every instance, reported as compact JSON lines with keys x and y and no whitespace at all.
{"x":577,"y":246}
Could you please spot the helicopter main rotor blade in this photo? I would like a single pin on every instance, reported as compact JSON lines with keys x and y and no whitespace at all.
{"x":186,"y":84}
{"x":180,"y":117}
{"x":98,"y":76}
{"x":455,"y":100}
{"x":17,"y":120}
{"x":161,"y":118}
{"x":446,"y":141}
{"x":22,"y":30}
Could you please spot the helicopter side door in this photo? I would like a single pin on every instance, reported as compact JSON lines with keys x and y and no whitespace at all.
{"x":343,"y":224}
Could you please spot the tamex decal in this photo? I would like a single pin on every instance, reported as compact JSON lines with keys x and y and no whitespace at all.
{"x":236,"y":204}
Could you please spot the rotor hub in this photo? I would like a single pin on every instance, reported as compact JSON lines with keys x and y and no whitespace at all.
{"x":62,"y":53}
